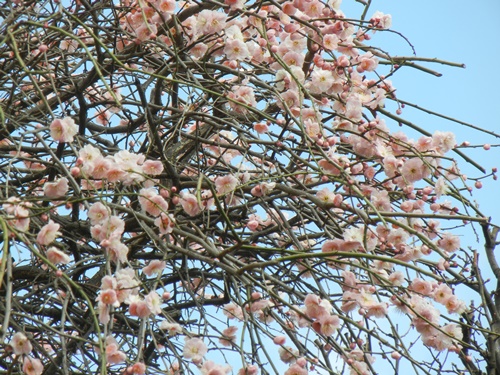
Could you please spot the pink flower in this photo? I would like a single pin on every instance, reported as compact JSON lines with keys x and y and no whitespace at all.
{"x":380,"y":20}
{"x":63,"y":130}
{"x":233,"y":311}
{"x":152,"y":202}
{"x":261,"y":128}
{"x":249,"y":370}
{"x":32,"y":366}
{"x":20,"y":344}
{"x":288,"y":354}
{"x":211,"y":368}
{"x":109,"y":297}
{"x":98,"y":213}
{"x":56,"y":189}
{"x":226,"y":184}
{"x":421,"y":286}
{"x":210,"y":22}
{"x":154,"y":267}
{"x":243,"y":95}
{"x":172,"y":328}
{"x":138,"y":368}
{"x":165,"y":223}
{"x":295,"y":369}
{"x":56,"y":256}
{"x":113,"y":354}
{"x":152,"y":167}
{"x":414,"y":170}
{"x":442,"y":293}
{"x":236,"y":49}
{"x":138,"y":307}
{"x":190,"y":204}
{"x":329,"y":324}
{"x":316,"y":308}
{"x":154,"y":302}
{"x":195,"y":349}
{"x":48,"y":233}
{"x":228,"y":336}
{"x":449,"y":242}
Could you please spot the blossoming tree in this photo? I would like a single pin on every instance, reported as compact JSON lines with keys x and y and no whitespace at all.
{"x":228,"y":186}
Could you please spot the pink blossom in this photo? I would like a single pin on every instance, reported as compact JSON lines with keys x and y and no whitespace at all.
{"x":63,"y":130}
{"x":48,"y":233}
{"x":249,"y":370}
{"x":414,"y":170}
{"x":113,"y":354}
{"x":210,"y":22}
{"x":442,"y":293}
{"x":232,"y":311}
{"x":56,"y":256}
{"x":138,"y":307}
{"x":226,"y":184}
{"x":195,"y":349}
{"x":152,"y":202}
{"x":295,"y":369}
{"x":316,"y":307}
{"x":165,"y":223}
{"x":32,"y":366}
{"x":137,"y":368}
{"x":20,"y":344}
{"x":98,"y":213}
{"x":153,"y":301}
{"x":261,"y":128}
{"x":449,"y":242}
{"x":329,"y":324}
{"x":228,"y":336}
{"x":236,"y":49}
{"x":421,"y":286}
{"x":288,"y":354}
{"x":109,"y":297}
{"x":380,"y":20}
{"x":57,"y":189}
{"x":152,"y":167}
{"x":154,"y":267}
{"x":172,"y":328}
{"x":443,"y":141}
{"x":454,"y":305}
{"x":189,"y":203}
{"x":211,"y":368}
{"x":241,"y":97}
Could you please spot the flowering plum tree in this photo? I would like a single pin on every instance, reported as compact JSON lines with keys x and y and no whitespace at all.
{"x":222,"y":187}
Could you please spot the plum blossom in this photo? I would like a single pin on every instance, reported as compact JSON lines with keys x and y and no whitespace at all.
{"x":194,"y":349}
{"x":57,"y":189}
{"x":226,"y":184}
{"x":380,"y":20}
{"x":113,"y":354}
{"x":449,"y":242}
{"x":63,"y":130}
{"x":233,"y":311}
{"x":165,"y":223}
{"x":172,"y":328}
{"x":32,"y":366}
{"x":211,"y":368}
{"x":154,"y":267}
{"x":241,"y":97}
{"x":20,"y":344}
{"x":190,"y":204}
{"x":56,"y":256}
{"x":48,"y":233}
{"x":98,"y":213}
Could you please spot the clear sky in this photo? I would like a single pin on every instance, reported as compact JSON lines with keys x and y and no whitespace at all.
{"x":460,"y":31}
